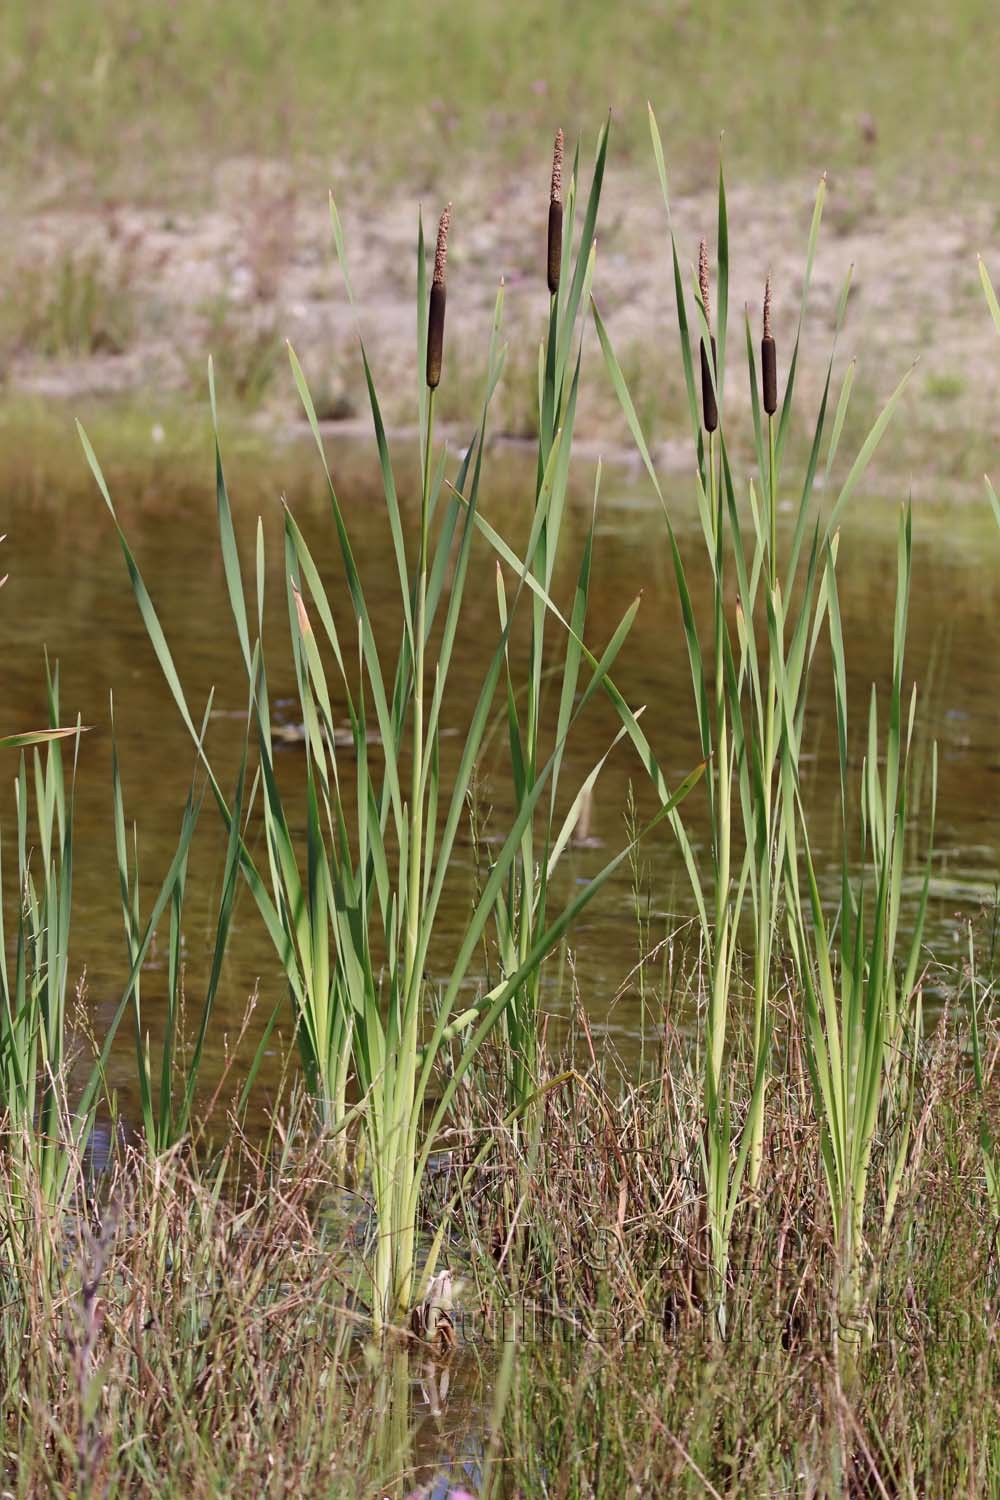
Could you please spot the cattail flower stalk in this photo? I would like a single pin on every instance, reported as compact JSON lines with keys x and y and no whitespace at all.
{"x":709,"y":404}
{"x":416,"y":852}
{"x":768,"y":357}
{"x":769,"y":387}
{"x":556,"y":216}
{"x":435,"y":316}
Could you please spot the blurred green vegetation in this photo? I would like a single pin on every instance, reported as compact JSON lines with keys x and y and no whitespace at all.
{"x":146,"y":94}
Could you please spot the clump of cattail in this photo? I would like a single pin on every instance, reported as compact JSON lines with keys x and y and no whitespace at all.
{"x":768,"y":357}
{"x":435,"y":316}
{"x":556,"y":216}
{"x":709,"y":405}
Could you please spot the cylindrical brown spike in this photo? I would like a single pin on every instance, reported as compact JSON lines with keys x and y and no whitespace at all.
{"x":769,"y":374}
{"x":555,"y":216}
{"x":768,"y":357}
{"x":555,"y":244}
{"x":709,"y":406}
{"x":435,"y":335}
{"x":435,"y":314}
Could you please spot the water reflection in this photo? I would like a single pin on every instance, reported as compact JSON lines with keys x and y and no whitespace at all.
{"x":68,"y":589}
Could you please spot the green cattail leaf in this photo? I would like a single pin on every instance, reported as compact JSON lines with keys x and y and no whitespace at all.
{"x":149,"y":617}
{"x":338,"y":240}
{"x":867,"y":449}
{"x":583,"y":259}
{"x":840,"y":415}
{"x":573,"y":815}
{"x":991,"y":495}
{"x":686,"y":356}
{"x":786,"y":404}
{"x":391,"y":501}
{"x":758,"y":429}
{"x":231,"y":559}
{"x":991,"y":297}
{"x":625,"y":400}
{"x":722,"y":284}
{"x":491,"y":1006}
{"x":423,"y":394}
{"x":40,"y":737}
{"x":372,"y":664}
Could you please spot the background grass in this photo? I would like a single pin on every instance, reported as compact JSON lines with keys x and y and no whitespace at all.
{"x":142,"y":93}
{"x":164,"y":166}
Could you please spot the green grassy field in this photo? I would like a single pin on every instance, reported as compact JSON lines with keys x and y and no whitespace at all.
{"x":139,"y":95}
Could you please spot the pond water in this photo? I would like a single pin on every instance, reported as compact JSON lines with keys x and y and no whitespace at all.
{"x":68,"y":590}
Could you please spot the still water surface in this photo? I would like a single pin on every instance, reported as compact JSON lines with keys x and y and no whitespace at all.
{"x":68,"y":590}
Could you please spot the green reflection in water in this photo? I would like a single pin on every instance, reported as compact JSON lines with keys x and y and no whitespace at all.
{"x":68,"y":591}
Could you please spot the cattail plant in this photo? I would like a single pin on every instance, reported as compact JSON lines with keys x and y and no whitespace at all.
{"x":435,"y":354}
{"x":750,"y":717}
{"x":167,"y":1118}
{"x":41,"y":1133}
{"x":355,"y":927}
{"x":555,"y":217}
{"x":33,"y":1034}
{"x":523,"y":907}
{"x":33,"y":1040}
{"x":521,"y":911}
{"x":860,"y":977}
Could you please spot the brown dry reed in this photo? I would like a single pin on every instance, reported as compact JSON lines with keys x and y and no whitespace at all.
{"x":709,"y":404}
{"x":435,"y":317}
{"x":556,"y":216}
{"x":768,"y":357}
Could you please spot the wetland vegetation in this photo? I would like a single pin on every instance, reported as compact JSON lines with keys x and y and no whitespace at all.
{"x":501,"y":1001}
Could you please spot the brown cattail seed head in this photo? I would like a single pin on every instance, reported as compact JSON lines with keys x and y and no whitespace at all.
{"x":435,"y":316}
{"x":703,"y":281}
{"x":768,"y":358}
{"x":709,"y":405}
{"x":555,"y":216}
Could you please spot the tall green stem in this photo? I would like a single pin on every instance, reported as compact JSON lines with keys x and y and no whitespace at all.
{"x":417,"y":800}
{"x":722,"y":853}
{"x":401,"y":1225}
{"x":767,"y":869}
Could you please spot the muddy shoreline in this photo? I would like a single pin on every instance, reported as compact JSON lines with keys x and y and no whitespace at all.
{"x":126,"y":301}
